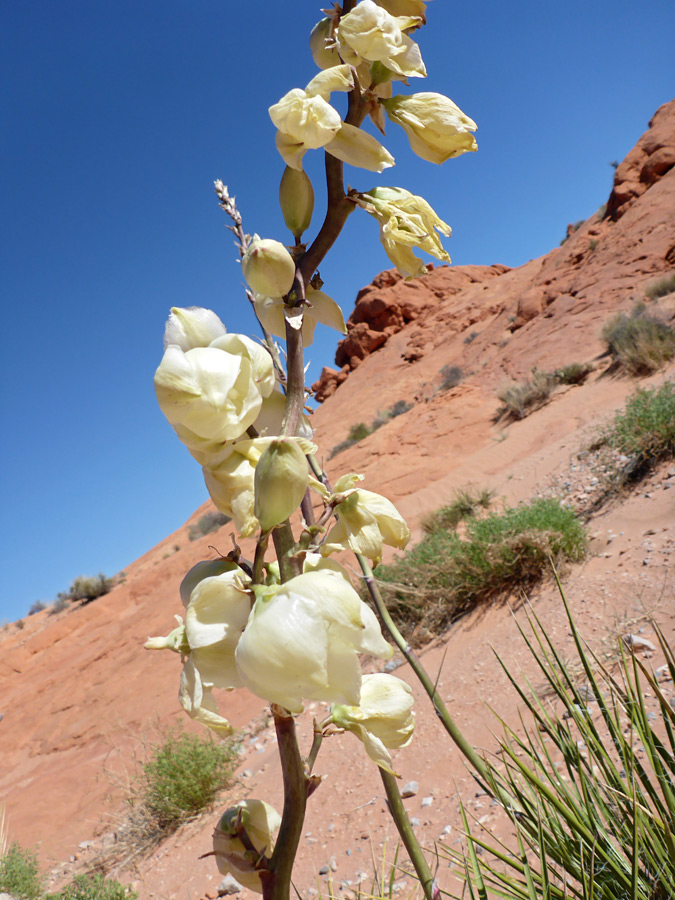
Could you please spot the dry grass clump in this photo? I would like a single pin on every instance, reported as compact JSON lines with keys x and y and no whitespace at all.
{"x":445,"y":574}
{"x":467,"y":503}
{"x":639,"y":343}
{"x":520,"y":398}
{"x":360,"y":431}
{"x":208,"y":523}
{"x":661,"y":287}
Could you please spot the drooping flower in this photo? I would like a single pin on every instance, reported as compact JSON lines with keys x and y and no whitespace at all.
{"x":320,"y":308}
{"x":306,"y":121}
{"x":261,"y":822}
{"x":415,"y":8}
{"x":365,"y":521}
{"x":436,"y":127}
{"x":281,"y":479}
{"x":268,"y":267}
{"x":214,"y":393}
{"x":215,"y":617}
{"x":370,"y":32}
{"x":405,"y":221}
{"x":302,"y":641}
{"x":382,"y":720}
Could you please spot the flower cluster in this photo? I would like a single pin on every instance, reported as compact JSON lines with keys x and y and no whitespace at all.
{"x":291,"y":629}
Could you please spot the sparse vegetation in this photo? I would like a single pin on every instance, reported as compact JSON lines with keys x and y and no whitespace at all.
{"x":360,"y":431}
{"x":520,"y":398}
{"x":471,"y":337}
{"x":593,"y":244}
{"x":183,"y":776}
{"x":37,"y":607}
{"x":638,"y":343}
{"x":571,"y":229}
{"x":574,"y":373}
{"x":20,"y":873}
{"x":451,"y":376}
{"x":645,"y":430}
{"x":445,"y":575}
{"x":661,"y":287}
{"x":87,"y":588}
{"x":206,"y":524}
{"x":62,"y":602}
{"x":466,"y":504}
{"x":599,"y":822}
{"x":94,"y":887}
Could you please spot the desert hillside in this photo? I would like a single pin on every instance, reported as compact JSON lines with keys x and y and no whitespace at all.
{"x":80,"y":696}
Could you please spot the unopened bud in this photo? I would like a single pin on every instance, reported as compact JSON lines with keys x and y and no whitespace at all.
{"x":296,"y":196}
{"x":268,"y":267}
{"x":323,"y":56}
{"x":281,"y":479}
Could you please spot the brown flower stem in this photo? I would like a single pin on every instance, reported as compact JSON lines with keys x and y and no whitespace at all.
{"x":284,"y":545}
{"x":405,"y":830}
{"x":316,"y":746}
{"x":259,"y":557}
{"x":295,"y":388}
{"x":276,"y":884}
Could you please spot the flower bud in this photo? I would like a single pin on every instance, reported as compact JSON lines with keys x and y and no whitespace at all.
{"x":268,"y":267}
{"x":261,"y":822}
{"x":281,"y":478}
{"x":296,"y":197}
{"x":324,"y":57}
{"x":192,"y":327}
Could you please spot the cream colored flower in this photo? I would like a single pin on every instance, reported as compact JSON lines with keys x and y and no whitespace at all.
{"x":382,"y":720}
{"x":215,"y":617}
{"x":281,"y":479}
{"x":214,"y":393}
{"x":192,"y":327}
{"x":415,"y":8}
{"x":320,"y":308}
{"x":365,"y":521}
{"x":405,"y":221}
{"x":322,"y":45}
{"x":437,"y":129}
{"x":358,"y":148}
{"x":303,"y":639}
{"x":261,"y":822}
{"x":370,"y":32}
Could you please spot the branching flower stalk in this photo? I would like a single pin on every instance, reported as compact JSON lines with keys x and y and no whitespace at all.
{"x":291,"y":627}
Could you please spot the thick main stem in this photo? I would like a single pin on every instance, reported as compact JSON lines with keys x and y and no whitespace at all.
{"x":276,"y":884}
{"x":405,"y":830}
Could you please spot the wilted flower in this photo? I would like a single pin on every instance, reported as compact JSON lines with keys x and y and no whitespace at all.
{"x":268,"y":267}
{"x":215,"y":617}
{"x":320,"y":308}
{"x":437,"y":129}
{"x":324,"y":55}
{"x":302,"y":641}
{"x":406,"y":221}
{"x":405,"y":8}
{"x":261,"y":822}
{"x":365,"y":521}
{"x":382,"y":719}
{"x":370,"y":32}
{"x":192,"y":327}
{"x":214,"y":393}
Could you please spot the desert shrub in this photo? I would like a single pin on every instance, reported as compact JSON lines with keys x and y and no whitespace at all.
{"x":451,"y":376}
{"x":645,"y":429}
{"x":183,"y":776}
{"x":574,"y":373}
{"x":572,"y":228}
{"x":94,"y":887}
{"x":87,"y":588}
{"x":399,"y":408}
{"x":37,"y":607}
{"x":466,"y":503}
{"x":20,"y":874}
{"x":471,"y":337}
{"x":20,"y":624}
{"x":520,"y":398}
{"x":59,"y":605}
{"x":599,"y":823}
{"x":661,"y":287}
{"x":445,"y":575}
{"x":206,"y":524}
{"x":638,"y":343}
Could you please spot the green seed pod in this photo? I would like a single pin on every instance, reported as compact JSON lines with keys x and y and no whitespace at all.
{"x":281,"y":479}
{"x":296,"y":196}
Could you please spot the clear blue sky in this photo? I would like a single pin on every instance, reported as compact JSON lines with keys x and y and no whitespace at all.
{"x":116,"y":117}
